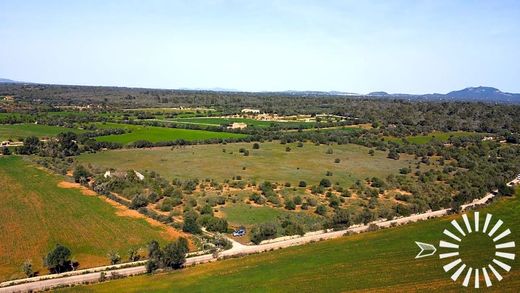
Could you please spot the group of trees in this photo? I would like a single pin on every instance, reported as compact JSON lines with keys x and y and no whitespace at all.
{"x":172,"y":255}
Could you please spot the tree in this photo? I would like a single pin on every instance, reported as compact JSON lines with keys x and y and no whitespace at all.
{"x":80,"y":173}
{"x":58,"y":260}
{"x":256,"y":146}
{"x":325,"y":182}
{"x":114,"y":257}
{"x":138,"y":201}
{"x":262,"y":232}
{"x":289,"y":204}
{"x":190,"y":222}
{"x":302,"y":184}
{"x":321,"y":210}
{"x":133,"y":254}
{"x":393,"y":154}
{"x":27,"y":268}
{"x":207,"y":210}
{"x":6,"y":151}
{"x":175,"y":253}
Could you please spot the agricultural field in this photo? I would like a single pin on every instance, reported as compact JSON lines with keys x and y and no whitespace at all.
{"x":40,"y":210}
{"x":271,"y":162}
{"x":423,"y":139}
{"x":215,"y":121}
{"x":17,"y":131}
{"x":382,"y":261}
{"x":158,"y":134}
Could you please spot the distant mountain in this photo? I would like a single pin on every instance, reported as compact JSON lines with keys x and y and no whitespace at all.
{"x":378,"y":94}
{"x":5,"y":80}
{"x":479,"y":94}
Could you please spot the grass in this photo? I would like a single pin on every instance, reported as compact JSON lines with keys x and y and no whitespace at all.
{"x":271,"y":162}
{"x":16,"y":131}
{"x":216,"y":121}
{"x":423,"y":139}
{"x":158,"y":134}
{"x":381,"y":261}
{"x":36,"y":214}
{"x":248,"y":215}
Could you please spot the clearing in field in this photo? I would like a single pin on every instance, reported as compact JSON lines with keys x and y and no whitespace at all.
{"x":158,"y":134}
{"x":38,"y":211}
{"x":18,"y":131}
{"x":381,"y":261}
{"x":271,"y":162}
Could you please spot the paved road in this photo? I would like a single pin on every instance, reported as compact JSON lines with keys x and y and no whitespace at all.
{"x":237,"y":250}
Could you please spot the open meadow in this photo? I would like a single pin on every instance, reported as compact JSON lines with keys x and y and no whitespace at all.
{"x":271,"y":162}
{"x":39,"y":210}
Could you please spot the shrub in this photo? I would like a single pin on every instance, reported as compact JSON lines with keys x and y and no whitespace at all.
{"x":289,"y":204}
{"x":138,"y":201}
{"x":321,"y":210}
{"x":256,"y":146}
{"x":325,"y":182}
{"x":302,"y":184}
{"x":337,"y":160}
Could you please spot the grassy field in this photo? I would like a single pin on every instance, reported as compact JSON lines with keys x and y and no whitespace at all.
{"x":422,"y":139}
{"x":271,"y":162}
{"x":16,"y":131}
{"x":215,"y":121}
{"x":157,"y":134}
{"x":382,"y":261}
{"x":36,"y":214}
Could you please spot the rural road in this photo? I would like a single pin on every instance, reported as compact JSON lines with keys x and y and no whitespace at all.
{"x":237,"y":250}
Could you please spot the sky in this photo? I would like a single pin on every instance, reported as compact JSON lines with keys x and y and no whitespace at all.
{"x":353,"y":46}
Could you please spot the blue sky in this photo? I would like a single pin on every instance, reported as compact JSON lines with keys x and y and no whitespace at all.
{"x":355,"y":46}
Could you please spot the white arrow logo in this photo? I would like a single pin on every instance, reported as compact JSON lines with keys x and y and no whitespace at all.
{"x":424,"y":248}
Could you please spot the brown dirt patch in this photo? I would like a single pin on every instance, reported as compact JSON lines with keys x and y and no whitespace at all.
{"x":71,"y":185}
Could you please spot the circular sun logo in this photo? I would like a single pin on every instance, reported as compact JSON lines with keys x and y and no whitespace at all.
{"x":471,"y":243}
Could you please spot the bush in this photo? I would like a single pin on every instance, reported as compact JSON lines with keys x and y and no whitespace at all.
{"x":321,"y":210}
{"x":337,"y":160}
{"x":302,"y":184}
{"x":325,"y":182}
{"x":289,"y":204}
{"x":297,"y":200}
{"x":80,"y":174}
{"x":256,"y":146}
{"x":138,"y":201}
{"x":263,"y":232}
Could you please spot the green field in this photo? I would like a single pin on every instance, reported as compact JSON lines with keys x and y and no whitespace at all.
{"x":382,"y":261}
{"x":244,"y":214}
{"x":36,"y":214}
{"x":158,"y":134}
{"x":16,"y":131}
{"x":215,"y":121}
{"x":271,"y":162}
{"x":422,"y":139}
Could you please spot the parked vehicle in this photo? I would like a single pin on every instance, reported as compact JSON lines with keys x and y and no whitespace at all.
{"x":239,"y":232}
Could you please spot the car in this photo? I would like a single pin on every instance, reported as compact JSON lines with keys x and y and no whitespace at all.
{"x":239,"y":232}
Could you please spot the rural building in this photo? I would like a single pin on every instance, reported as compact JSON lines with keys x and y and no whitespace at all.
{"x":251,"y":111}
{"x":237,"y":125}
